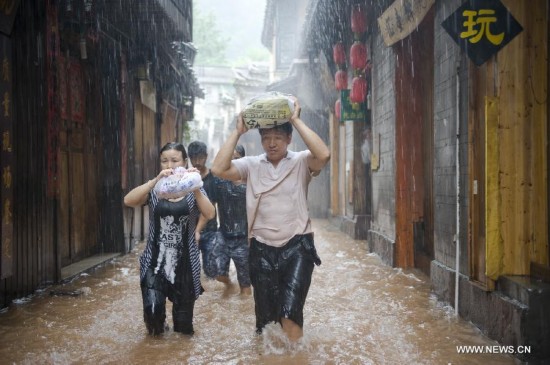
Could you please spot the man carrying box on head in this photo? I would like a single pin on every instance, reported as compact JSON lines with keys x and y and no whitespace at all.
{"x":282,"y":253}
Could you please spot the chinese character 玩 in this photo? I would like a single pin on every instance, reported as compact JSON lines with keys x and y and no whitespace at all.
{"x":482,"y":18}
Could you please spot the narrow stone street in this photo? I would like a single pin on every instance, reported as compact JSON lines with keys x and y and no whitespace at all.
{"x":359,"y":311}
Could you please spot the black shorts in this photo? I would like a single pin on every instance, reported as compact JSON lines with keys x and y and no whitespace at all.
{"x":281,"y":277}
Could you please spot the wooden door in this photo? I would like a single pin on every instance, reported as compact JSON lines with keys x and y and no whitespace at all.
{"x":77,"y":221}
{"x":72,"y":193}
{"x":414,"y":148}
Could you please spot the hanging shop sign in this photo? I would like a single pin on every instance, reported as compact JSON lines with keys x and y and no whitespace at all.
{"x":351,"y":111}
{"x":481,"y":28}
{"x":401,"y":18}
{"x":6,"y":156}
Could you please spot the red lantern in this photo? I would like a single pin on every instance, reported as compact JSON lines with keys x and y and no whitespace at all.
{"x":358,"y":19}
{"x":359,"y":89}
{"x":337,"y":107}
{"x":358,"y":55}
{"x":341,"y":80}
{"x":339,"y":53}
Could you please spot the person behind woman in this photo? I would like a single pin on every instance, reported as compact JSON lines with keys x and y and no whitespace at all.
{"x":170,"y":264}
{"x":207,"y":234}
{"x":234,"y":228}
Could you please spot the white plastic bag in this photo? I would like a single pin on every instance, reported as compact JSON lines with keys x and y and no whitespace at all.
{"x":268,"y":110}
{"x":179,"y":184}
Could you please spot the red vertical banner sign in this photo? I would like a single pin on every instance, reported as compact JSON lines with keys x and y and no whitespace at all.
{"x":6,"y":155}
{"x":52,"y":75}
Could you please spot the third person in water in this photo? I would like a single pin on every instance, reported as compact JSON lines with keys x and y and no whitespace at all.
{"x":231,"y":199}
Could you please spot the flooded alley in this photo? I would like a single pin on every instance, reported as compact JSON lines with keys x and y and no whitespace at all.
{"x":359,"y":311}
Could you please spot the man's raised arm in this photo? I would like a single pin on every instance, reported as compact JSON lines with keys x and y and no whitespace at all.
{"x":222,"y":166}
{"x":320,"y":154}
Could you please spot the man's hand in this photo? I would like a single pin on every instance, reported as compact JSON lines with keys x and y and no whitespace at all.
{"x":241,"y":128}
{"x":297,"y":110}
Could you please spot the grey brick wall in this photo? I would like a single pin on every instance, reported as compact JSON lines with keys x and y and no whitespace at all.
{"x":383,"y":124}
{"x":447,"y":58}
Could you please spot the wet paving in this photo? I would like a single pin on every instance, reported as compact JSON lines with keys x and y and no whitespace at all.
{"x":359,"y":311}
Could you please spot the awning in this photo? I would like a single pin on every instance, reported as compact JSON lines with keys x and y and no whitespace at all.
{"x":180,"y":65}
{"x":288,"y":85}
{"x":401,"y":18}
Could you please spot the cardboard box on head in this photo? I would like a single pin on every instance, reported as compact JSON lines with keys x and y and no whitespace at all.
{"x":268,"y":110}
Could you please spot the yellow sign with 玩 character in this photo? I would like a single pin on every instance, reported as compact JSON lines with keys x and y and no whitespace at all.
{"x":481,"y":28}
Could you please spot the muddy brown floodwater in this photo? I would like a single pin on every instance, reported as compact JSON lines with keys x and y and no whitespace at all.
{"x":359,"y":311}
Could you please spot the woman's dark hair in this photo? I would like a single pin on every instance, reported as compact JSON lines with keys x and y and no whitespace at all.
{"x":240,"y":150}
{"x":285,"y":127}
{"x":174,"y":146}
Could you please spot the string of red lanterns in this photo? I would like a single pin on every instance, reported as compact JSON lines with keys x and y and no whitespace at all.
{"x":358,"y":55}
{"x":341,"y":80}
{"x":341,"y":76}
{"x":339,"y":54}
{"x":358,"y":61}
{"x":358,"y":20}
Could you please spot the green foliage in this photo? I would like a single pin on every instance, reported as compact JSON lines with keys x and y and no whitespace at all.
{"x":211,"y":44}
{"x":252,"y":55}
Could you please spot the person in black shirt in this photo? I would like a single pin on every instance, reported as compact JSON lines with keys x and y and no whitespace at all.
{"x":207,"y":230}
{"x":231,"y":199}
{"x":170,"y":264}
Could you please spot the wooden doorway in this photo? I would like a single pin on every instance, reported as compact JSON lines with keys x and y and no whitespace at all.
{"x":414,"y":147}
{"x":78,"y":221}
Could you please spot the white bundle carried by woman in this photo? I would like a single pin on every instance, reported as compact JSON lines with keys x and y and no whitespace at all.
{"x":179,"y":184}
{"x":268,"y":110}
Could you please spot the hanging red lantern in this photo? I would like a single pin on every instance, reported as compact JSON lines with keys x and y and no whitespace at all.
{"x":339,"y":53}
{"x":358,"y":55}
{"x":359,"y":90}
{"x":341,"y":80}
{"x":358,"y":19}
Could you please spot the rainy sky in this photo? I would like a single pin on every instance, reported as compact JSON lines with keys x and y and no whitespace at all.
{"x":243,"y":17}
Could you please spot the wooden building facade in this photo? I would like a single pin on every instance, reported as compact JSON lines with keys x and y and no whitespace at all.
{"x":92,"y":87}
{"x":457,"y":185}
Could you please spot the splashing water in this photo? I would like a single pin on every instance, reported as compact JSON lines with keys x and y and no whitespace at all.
{"x":358,"y":311}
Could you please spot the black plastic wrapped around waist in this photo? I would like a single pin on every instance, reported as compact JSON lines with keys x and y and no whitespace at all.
{"x":295,"y":243}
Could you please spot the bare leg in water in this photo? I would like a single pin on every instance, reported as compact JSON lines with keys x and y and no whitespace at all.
{"x":292,"y":330}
